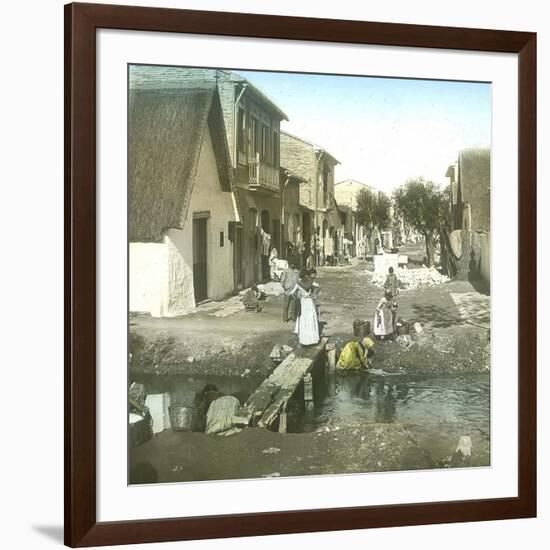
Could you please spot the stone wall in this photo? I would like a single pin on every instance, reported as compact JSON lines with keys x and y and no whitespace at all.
{"x":469,"y":263}
{"x":475,"y":181}
{"x":298,"y":156}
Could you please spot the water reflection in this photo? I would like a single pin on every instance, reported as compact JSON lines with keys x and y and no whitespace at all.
{"x":460,"y":401}
{"x":376,"y":394}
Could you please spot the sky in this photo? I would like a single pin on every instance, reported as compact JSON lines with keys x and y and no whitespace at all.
{"x":382,"y":130}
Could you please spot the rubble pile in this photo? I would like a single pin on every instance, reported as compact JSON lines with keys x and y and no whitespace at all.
{"x":412,"y":278}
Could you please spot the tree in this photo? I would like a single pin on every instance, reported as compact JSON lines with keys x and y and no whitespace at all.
{"x":383,"y":212}
{"x":373,"y":211}
{"x":423,"y":205}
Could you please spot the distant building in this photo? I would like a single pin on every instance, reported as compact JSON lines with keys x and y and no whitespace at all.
{"x":291,"y":216}
{"x":181,"y":206}
{"x":321,"y":226}
{"x":346,"y":192}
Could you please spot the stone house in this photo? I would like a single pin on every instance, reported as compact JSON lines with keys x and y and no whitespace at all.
{"x":291,"y":216}
{"x":470,"y":181}
{"x":321,"y":226}
{"x":470,"y":197}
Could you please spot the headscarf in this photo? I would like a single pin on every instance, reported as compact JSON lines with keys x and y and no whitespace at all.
{"x":367,"y":342}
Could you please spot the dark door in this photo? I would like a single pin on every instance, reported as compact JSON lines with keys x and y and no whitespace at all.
{"x":200,"y":264}
{"x":238,"y":258}
{"x":276,"y":236}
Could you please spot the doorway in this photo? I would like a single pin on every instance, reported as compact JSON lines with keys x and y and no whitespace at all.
{"x":200,"y":263}
{"x":238,"y":258}
{"x":276,"y":236}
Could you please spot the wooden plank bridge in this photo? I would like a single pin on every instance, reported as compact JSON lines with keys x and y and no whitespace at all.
{"x":270,"y":399}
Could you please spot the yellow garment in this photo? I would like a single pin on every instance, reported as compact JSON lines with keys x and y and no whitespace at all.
{"x":352,"y":357}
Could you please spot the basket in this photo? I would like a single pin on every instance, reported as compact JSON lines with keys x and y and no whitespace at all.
{"x":402,"y":327}
{"x":140,"y":429}
{"x":182,"y":417}
{"x":361,"y":328}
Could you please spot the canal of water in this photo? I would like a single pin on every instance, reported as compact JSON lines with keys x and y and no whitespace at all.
{"x":428,"y":401}
{"x":441,"y":408}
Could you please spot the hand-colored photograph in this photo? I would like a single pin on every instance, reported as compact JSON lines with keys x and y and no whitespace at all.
{"x":308,"y":274}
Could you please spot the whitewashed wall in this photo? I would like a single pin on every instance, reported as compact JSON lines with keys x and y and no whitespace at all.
{"x":148,"y":278}
{"x":208,"y":195}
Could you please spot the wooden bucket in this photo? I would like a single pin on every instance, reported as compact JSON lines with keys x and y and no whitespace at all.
{"x":182,"y":417}
{"x":361,"y":328}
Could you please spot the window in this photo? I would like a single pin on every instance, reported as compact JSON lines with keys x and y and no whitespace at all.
{"x":275,"y":147}
{"x":251,"y":138}
{"x":265,"y":143}
{"x":326,"y":174}
{"x":257,"y":136}
{"x":241,"y":131}
{"x":221,"y":238}
{"x":325,"y":180}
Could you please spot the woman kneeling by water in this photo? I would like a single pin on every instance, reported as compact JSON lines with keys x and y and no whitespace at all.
{"x":356,"y":356}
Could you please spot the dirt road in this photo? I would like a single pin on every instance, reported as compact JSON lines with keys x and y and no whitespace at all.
{"x":219,"y":338}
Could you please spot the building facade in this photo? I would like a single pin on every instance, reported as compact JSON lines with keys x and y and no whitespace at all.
{"x":320,"y":222}
{"x":252,"y":127}
{"x":470,"y":197}
{"x":346,"y":192}
{"x":470,"y":182}
{"x":181,"y":200}
{"x":291,"y":216}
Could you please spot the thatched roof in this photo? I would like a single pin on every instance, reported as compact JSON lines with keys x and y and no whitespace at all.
{"x":165,"y":132}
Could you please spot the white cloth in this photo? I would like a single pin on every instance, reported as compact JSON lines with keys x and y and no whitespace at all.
{"x":329,"y":246}
{"x":383,"y":318}
{"x":307,"y":325}
{"x":266,"y":242}
{"x":220,"y":414}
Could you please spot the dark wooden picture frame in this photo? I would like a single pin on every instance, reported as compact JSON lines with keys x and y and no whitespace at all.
{"x":81,"y":23}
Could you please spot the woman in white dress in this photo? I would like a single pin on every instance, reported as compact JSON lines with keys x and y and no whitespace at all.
{"x":307,"y":324}
{"x":383,"y":318}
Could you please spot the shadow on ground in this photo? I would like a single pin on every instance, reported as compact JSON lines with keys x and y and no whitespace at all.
{"x":481,"y":286}
{"x":439,"y":317}
{"x":53,"y":532}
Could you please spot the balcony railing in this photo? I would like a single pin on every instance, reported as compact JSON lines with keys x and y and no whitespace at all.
{"x":262,"y":176}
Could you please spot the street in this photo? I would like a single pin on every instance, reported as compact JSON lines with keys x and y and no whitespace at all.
{"x":375,"y":423}
{"x":219,"y":338}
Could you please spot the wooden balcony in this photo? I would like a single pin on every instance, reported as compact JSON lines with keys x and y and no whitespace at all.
{"x":263,"y":177}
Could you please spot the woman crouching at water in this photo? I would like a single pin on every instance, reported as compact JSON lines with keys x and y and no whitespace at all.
{"x":307,"y":324}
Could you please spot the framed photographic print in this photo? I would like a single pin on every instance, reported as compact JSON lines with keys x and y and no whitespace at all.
{"x":300,"y":274}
